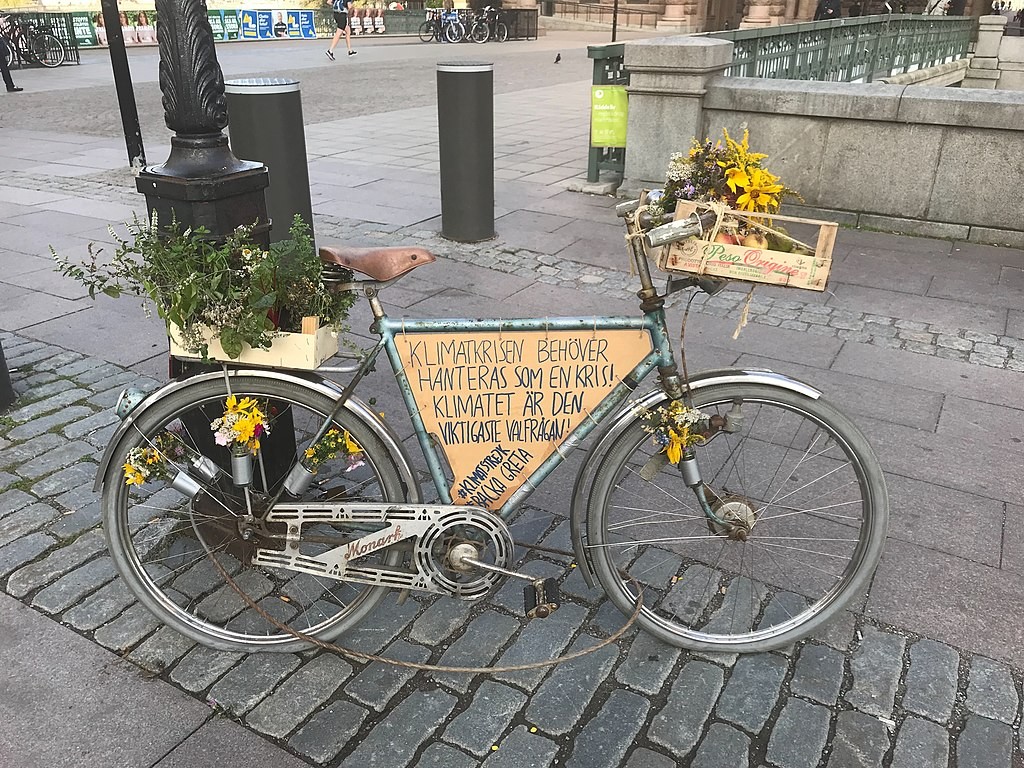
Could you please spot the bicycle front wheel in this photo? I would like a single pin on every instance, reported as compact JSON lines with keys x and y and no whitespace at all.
{"x":807,"y":504}
{"x":48,"y":50}
{"x":173,"y":543}
{"x":454,"y":32}
{"x":501,"y":32}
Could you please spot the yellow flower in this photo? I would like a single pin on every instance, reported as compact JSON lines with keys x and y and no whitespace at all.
{"x":760,"y":193}
{"x":231,"y":404}
{"x":132,"y":476}
{"x":739,"y":152}
{"x":351,"y":445}
{"x":736,"y":177}
{"x":674,"y":449}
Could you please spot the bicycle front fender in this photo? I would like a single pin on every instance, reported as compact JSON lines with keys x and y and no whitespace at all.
{"x":353,"y":405}
{"x":578,"y":508}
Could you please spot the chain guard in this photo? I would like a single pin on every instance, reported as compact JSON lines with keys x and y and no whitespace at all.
{"x":433,"y":529}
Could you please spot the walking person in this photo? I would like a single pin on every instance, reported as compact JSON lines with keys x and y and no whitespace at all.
{"x":342,"y":9}
{"x":827,"y":10}
{"x":5,"y":46}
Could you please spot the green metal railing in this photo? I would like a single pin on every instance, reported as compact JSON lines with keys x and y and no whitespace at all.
{"x":608,"y":70}
{"x":600,"y":13}
{"x":848,"y":50}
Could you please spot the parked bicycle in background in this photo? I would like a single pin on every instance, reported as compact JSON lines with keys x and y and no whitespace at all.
{"x":31,"y":44}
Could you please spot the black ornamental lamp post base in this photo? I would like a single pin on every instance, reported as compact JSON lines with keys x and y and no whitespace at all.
{"x":203,"y":185}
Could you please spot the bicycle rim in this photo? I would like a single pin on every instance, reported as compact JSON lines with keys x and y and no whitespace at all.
{"x":164,"y":544}
{"x":501,"y":32}
{"x":427,"y":32}
{"x":48,"y":50}
{"x":797,"y":475}
{"x":479,"y":33}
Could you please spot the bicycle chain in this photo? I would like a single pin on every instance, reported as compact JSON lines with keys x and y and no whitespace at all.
{"x":353,"y":654}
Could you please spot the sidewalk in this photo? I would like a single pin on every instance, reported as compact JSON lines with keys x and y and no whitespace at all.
{"x":919,"y":340}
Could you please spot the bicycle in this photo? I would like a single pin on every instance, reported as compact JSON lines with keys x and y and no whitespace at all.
{"x":431,"y":28}
{"x":487,"y":25}
{"x":762,"y":524}
{"x":31,"y":44}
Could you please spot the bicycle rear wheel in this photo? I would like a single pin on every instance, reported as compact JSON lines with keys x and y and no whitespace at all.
{"x":170,"y":547}
{"x":428,"y":31}
{"x":47,"y":50}
{"x":479,"y":32}
{"x":803,"y":483}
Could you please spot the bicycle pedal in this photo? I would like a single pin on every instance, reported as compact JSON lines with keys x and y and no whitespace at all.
{"x":541,"y":598}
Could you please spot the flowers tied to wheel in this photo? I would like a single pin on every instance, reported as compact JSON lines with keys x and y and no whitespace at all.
{"x":242,"y":426}
{"x":674,"y":428}
{"x":159,"y":459}
{"x":232,"y":291}
{"x":333,"y":444}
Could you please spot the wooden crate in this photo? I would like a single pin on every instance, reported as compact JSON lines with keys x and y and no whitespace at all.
{"x":695,"y":256}
{"x":305,"y":351}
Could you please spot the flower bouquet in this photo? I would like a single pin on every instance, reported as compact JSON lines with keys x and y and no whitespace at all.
{"x":168,"y":458}
{"x":334,"y":443}
{"x":240,"y":429}
{"x":674,"y":428}
{"x":748,"y":241}
{"x":223,"y":299}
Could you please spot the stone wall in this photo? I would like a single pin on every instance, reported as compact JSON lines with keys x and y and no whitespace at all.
{"x":1011,"y":64}
{"x":917,"y":159}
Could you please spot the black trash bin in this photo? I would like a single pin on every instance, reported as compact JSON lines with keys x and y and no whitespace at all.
{"x":265,"y":125}
{"x":465,"y":123}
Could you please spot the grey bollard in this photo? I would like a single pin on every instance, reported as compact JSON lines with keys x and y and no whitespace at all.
{"x":265,"y":125}
{"x":465,"y":123}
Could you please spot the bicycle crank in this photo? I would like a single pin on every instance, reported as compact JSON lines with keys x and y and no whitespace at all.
{"x":435,"y":531}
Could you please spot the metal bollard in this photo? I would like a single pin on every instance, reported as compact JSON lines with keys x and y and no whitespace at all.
{"x":465,"y":122}
{"x":7,"y":394}
{"x":265,"y":125}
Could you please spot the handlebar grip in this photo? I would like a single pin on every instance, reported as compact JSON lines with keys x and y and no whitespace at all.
{"x":692,"y":225}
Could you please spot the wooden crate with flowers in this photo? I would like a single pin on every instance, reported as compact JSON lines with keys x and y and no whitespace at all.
{"x":230,"y":300}
{"x":749,"y":240}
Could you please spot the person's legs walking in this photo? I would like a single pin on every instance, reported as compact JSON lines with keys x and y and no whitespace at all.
{"x":4,"y":71}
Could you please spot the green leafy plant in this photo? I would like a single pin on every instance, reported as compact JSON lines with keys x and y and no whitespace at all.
{"x":244,"y":293}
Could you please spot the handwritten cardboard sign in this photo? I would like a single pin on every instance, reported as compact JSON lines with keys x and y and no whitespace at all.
{"x":501,"y":403}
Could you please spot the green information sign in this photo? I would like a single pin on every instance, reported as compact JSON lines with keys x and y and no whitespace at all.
{"x":608,"y":115}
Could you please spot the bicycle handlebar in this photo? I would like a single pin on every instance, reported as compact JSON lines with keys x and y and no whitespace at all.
{"x":694,"y":224}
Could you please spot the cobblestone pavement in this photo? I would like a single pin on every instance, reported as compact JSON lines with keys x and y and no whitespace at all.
{"x":858,"y":694}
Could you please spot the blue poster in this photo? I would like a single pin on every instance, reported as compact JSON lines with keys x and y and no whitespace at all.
{"x":265,"y":25}
{"x":306,"y":28}
{"x":249,"y":30}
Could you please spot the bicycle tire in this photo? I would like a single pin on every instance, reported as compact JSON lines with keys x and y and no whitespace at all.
{"x":500,"y":32}
{"x":161,"y":543}
{"x":47,"y":50}
{"x":454,"y":32}
{"x":479,"y":32}
{"x":427,"y":31}
{"x":799,"y":565}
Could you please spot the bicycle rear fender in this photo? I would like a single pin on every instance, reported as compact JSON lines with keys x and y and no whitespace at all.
{"x":353,"y":405}
{"x":578,"y":513}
